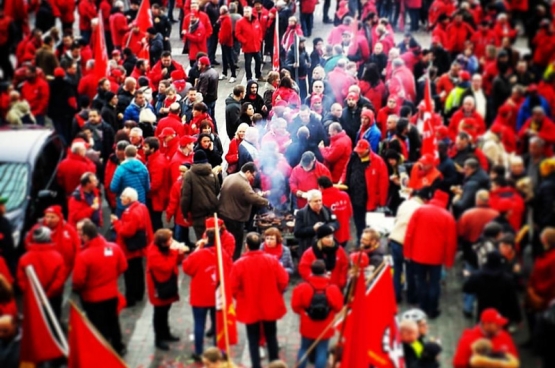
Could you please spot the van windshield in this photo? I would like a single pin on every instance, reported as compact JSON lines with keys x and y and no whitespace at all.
{"x":14,"y":179}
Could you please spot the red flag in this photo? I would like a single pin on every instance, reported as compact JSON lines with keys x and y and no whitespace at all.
{"x":86,"y":347}
{"x":99,"y":49}
{"x":429,"y":140}
{"x":402,"y":12}
{"x":226,"y":319}
{"x":275,"y":56}
{"x":144,"y":22}
{"x":38,"y":341}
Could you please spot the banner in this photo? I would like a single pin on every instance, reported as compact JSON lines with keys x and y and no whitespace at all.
{"x":99,"y":49}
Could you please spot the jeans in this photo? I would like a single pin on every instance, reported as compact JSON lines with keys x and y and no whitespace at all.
{"x":236,"y":229}
{"x":257,"y":65}
{"x":212,"y":46}
{"x":104,"y":316}
{"x":414,"y":14}
{"x":199,"y":316}
{"x":468,"y":299}
{"x":160,"y":322}
{"x":181,"y":234}
{"x":327,"y":4}
{"x":134,"y":278}
{"x":428,"y":286}
{"x":171,"y":5}
{"x":155,"y":216}
{"x":307,"y":22}
{"x":359,"y":215}
{"x":253,"y":336}
{"x":211,"y":107}
{"x":228,"y":60}
{"x":321,"y":352}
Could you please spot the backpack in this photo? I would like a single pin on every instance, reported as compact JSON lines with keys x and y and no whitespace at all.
{"x":319,"y":308}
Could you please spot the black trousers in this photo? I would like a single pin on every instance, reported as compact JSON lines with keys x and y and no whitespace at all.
{"x":236,"y":229}
{"x":257,"y":64}
{"x":134,"y":278}
{"x":104,"y":316}
{"x":160,"y":322}
{"x":228,"y":61}
{"x":253,"y":335}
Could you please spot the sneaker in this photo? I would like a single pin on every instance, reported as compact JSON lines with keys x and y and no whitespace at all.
{"x":232,"y":80}
{"x":262,"y":352}
{"x":222,"y":77}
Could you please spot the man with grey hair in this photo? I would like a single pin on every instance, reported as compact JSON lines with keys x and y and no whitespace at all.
{"x":338,"y":79}
{"x":532,"y":159}
{"x":248,"y":151}
{"x":472,"y":222}
{"x":248,"y":32}
{"x":73,"y":166}
{"x":402,"y":81}
{"x":475,"y":178}
{"x":337,"y":154}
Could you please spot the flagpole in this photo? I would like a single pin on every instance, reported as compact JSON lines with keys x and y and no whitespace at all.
{"x":342,"y":314}
{"x":32,"y":276}
{"x":222,"y":285}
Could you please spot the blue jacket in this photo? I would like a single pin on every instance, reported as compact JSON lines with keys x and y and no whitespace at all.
{"x":373,"y":136}
{"x":130,"y":173}
{"x":525,"y":111}
{"x":133,"y":111}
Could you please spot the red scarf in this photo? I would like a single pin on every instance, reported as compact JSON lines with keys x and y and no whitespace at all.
{"x":276,"y":251}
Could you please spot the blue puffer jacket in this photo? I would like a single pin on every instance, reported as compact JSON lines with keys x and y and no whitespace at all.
{"x":133,"y":111}
{"x":130,"y":173}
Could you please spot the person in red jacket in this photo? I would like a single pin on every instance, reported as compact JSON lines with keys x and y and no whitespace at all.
{"x":87,"y":12}
{"x":169,"y":142}
{"x":304,"y":177}
{"x":490,"y":328}
{"x":195,"y":35}
{"x":337,"y":154}
{"x":333,"y":255}
{"x":367,"y":179}
{"x":164,"y":68}
{"x":184,"y":155}
{"x":72,"y":168}
{"x":225,"y":37}
{"x":340,"y":203}
{"x":85,"y":202}
{"x":158,"y":168}
{"x":390,"y":109}
{"x":481,"y":38}
{"x":134,"y":40}
{"x":95,"y":278}
{"x":258,"y":282}
{"x":448,"y":81}
{"x":311,"y":327}
{"x":173,"y":210}
{"x":114,"y":160}
{"x":162,"y":259}
{"x":458,"y":33}
{"x":538,"y":125}
{"x":134,"y":233}
{"x":201,"y":266}
{"x":541,"y":285}
{"x":36,"y":91}
{"x":467,"y":119}
{"x":118,"y":25}
{"x":430,"y":243}
{"x":48,"y":265}
{"x":248,"y":32}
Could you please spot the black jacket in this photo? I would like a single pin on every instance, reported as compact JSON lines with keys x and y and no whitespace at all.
{"x":110,"y":115}
{"x":208,"y":85}
{"x":476,"y":181}
{"x":232,"y":116}
{"x":305,"y":219}
{"x":104,"y":137}
{"x":544,"y":205}
{"x":314,"y":126}
{"x":257,"y":101}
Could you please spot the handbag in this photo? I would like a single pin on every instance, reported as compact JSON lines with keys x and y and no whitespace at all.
{"x":137,"y":241}
{"x":166,"y":289}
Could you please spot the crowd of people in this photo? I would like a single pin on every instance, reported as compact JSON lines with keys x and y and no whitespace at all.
{"x":330,"y":135}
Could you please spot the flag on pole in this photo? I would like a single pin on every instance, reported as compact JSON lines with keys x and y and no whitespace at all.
{"x":99,"y":49}
{"x":226,"y":319}
{"x":38,"y":342}
{"x":87,"y":348}
{"x":429,"y":140}
{"x":402,"y":16}
{"x":275,"y":56}
{"x":144,"y":22}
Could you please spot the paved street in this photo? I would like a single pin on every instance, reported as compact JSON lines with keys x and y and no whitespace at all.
{"x":137,"y":321}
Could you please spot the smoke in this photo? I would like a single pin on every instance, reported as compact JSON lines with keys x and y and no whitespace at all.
{"x":274,"y":172}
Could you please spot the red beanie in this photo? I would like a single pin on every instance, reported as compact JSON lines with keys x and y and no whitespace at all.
{"x":56,"y":210}
{"x":59,"y":72}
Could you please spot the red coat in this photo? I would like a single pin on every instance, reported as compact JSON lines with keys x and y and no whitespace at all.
{"x":88,"y":86}
{"x":171,"y":121}
{"x":171,"y":148}
{"x":111,"y":165}
{"x":431,"y":236}
{"x":546,"y":132}
{"x":160,"y":184}
{"x":503,"y":30}
{"x":377,"y":182}
{"x":118,"y":27}
{"x":306,"y":180}
{"x":225,"y":35}
{"x":518,"y":205}
{"x":300,"y":301}
{"x":414,"y":4}
{"x":502,"y":342}
{"x":338,"y":275}
{"x":134,"y":218}
{"x":97,"y":269}
{"x":156,"y":76}
{"x":232,"y":155}
{"x":249,"y":34}
{"x":258,"y":282}
{"x":439,"y":7}
{"x":134,"y":41}
{"x":440,"y":32}
{"x":544,"y":43}
{"x":202,"y":266}
{"x":197,"y":39}
{"x":480,"y":39}
{"x":474,"y":124}
{"x":71,"y":169}
{"x":374,"y":94}
{"x":308,"y":6}
{"x":174,"y":208}
{"x":337,"y":154}
{"x":66,"y":9}
{"x":49,"y":267}
{"x":288,"y":95}
{"x":177,"y":160}
{"x":79,"y":209}
{"x":37,"y":93}
{"x":402,"y":84}
{"x":340,"y":204}
{"x":381,"y":119}
{"x":542,"y":279}
{"x":87,"y":11}
{"x":26,"y":50}
{"x":458,"y":34}
{"x":161,"y":266}
{"x":444,"y":84}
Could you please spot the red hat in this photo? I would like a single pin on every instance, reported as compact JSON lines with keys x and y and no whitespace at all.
{"x":436,"y":39}
{"x":167,"y":132}
{"x":116,"y":73}
{"x":503,"y":205}
{"x":504,"y":110}
{"x":442,"y":132}
{"x":281,"y":103}
{"x":81,"y":140}
{"x":362,"y":146}
{"x":464,"y":75}
{"x":185,"y":140}
{"x":491,"y":315}
{"x":352,"y":95}
{"x":116,"y":52}
{"x":59,"y":72}
{"x":315,"y":98}
{"x":210,"y":224}
{"x":440,"y":199}
{"x":204,"y":60}
{"x":56,"y":210}
{"x":532,"y":88}
{"x":427,"y":159}
{"x":177,"y":75}
{"x":367,"y":113}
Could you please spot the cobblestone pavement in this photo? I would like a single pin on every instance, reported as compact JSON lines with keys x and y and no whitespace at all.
{"x":136,"y":322}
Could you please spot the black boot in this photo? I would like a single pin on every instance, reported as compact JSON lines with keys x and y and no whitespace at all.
{"x":171,"y":338}
{"x":162,"y":345}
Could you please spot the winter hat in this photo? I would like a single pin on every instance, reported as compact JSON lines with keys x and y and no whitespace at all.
{"x":186,"y":139}
{"x":353,"y":96}
{"x":464,"y":75}
{"x":204,"y":60}
{"x":56,"y":210}
{"x":41,"y":235}
{"x":152,"y":31}
{"x":59,"y":72}
{"x":109,"y":95}
{"x":200,"y":157}
{"x":324,"y":231}
{"x":177,"y":75}
{"x":166,"y":132}
{"x":368,"y":113}
{"x":116,"y":52}
{"x":440,"y":199}
{"x":362,"y":146}
{"x":211,"y":224}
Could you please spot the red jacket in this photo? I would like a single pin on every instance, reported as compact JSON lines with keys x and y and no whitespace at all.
{"x":542,"y":279}
{"x":225,"y":36}
{"x":71,"y":169}
{"x":161,"y":266}
{"x":308,"y":6}
{"x":377,"y":181}
{"x":545,"y":132}
{"x":518,"y":205}
{"x":431,"y":236}
{"x":202,"y":266}
{"x":197,"y":39}
{"x":87,"y":11}
{"x":374,"y":94}
{"x":439,"y":7}
{"x":171,"y":121}
{"x":502,"y":342}
{"x":458,"y":34}
{"x":337,"y":154}
{"x":306,"y":180}
{"x":480,"y":39}
{"x":156,"y":76}
{"x":177,"y":160}
{"x":503,"y":30}
{"x":300,"y":301}
{"x":381,"y":119}
{"x":338,"y":275}
{"x":174,"y":207}
{"x":160,"y":184}
{"x":88,"y":85}
{"x":111,"y":165}
{"x":37,"y":93}
{"x":340,"y":204}
{"x":249,"y":34}
{"x":544,"y":43}
{"x":66,"y":8}
{"x":232,"y":155}
{"x":97,"y":269}
{"x":134,"y":218}
{"x":473,"y":124}
{"x":258,"y":282}
{"x":171,"y":148}
{"x":444,"y":84}
{"x":134,"y":41}
{"x":49,"y":267}
{"x":79,"y":209}
{"x":118,"y":28}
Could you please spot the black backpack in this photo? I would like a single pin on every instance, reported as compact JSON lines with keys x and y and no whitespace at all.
{"x":319,"y":308}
